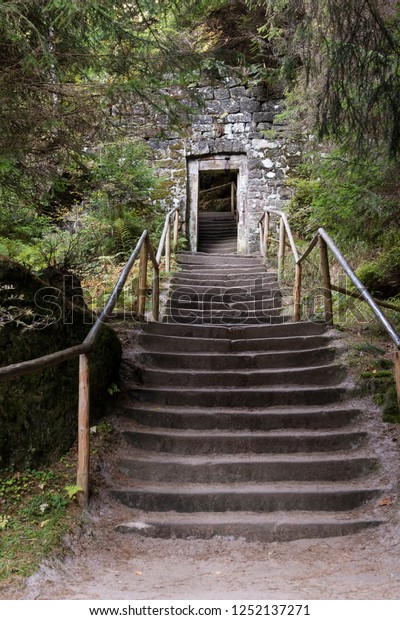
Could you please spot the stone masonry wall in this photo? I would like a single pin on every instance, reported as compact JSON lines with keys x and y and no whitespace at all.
{"x":234,"y":119}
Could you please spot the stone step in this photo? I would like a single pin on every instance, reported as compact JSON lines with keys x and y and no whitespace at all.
{"x":233,"y":397}
{"x":253,"y":361}
{"x":239,"y":309}
{"x":227,"y":302}
{"x":240,"y":281}
{"x":318,"y":375}
{"x":246,"y":468}
{"x":203,"y":260}
{"x":212,"y":418}
{"x":251,"y":527}
{"x":207,"y":319}
{"x":216,"y":248}
{"x":250,"y":332}
{"x":209,"y":292}
{"x":161,"y":342}
{"x":233,"y":442}
{"x":253,"y":497}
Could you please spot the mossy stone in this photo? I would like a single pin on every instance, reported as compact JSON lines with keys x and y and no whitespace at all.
{"x":38,"y":413}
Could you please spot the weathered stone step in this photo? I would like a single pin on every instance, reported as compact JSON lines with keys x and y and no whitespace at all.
{"x":252,"y":527}
{"x":228,"y":301}
{"x":215,"y":361}
{"x":246,"y":468}
{"x":318,"y":375}
{"x":223,"y":311}
{"x":205,"y":261}
{"x":229,"y":246}
{"x":254,"y":497}
{"x":238,"y":332}
{"x":233,"y":397}
{"x":198,"y":418}
{"x":209,"y":292}
{"x":204,"y":319}
{"x":234,"y":442}
{"x":161,"y":343}
{"x":248,"y":283}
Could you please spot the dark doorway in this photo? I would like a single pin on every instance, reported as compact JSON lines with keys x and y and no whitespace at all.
{"x":217,"y":191}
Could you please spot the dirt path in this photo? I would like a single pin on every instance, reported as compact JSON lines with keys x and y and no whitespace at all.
{"x":104,"y":564}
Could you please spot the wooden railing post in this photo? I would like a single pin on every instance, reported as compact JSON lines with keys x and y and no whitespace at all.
{"x":281,"y":250}
{"x":266,"y":233}
{"x":176,"y":230}
{"x":397,"y":374}
{"x":82,"y":478}
{"x":260,"y":228}
{"x":326,"y":281}
{"x":297,"y":293}
{"x":142,"y":282}
{"x":168,"y":247}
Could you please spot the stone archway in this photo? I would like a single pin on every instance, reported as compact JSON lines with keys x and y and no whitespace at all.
{"x":227,"y":162}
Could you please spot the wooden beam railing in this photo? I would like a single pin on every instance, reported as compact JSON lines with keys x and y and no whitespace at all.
{"x":144,"y":250}
{"x":324,"y":243}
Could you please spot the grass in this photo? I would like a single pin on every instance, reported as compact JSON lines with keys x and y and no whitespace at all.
{"x":35,"y":513}
{"x":38,"y":507}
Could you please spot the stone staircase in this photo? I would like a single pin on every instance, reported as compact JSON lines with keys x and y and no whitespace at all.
{"x":238,"y":423}
{"x":217,"y":233}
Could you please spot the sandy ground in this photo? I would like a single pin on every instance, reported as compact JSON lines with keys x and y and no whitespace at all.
{"x":109,"y":565}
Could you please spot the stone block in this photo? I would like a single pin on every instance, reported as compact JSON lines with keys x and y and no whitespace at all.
{"x":268,"y":163}
{"x":242,"y":117}
{"x":221,"y":93}
{"x":237,"y":92}
{"x":207,"y":92}
{"x":238,"y":127}
{"x":222,"y":106}
{"x":265,"y":116}
{"x":249,"y":105}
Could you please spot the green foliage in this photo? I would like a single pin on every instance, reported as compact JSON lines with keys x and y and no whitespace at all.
{"x":351,"y":197}
{"x":382,"y":275}
{"x":73,"y":490}
{"x":35,"y":508}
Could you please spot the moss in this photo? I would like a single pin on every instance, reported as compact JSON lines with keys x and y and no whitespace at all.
{"x":38,"y":413}
{"x":382,"y":276}
{"x":390,"y":408}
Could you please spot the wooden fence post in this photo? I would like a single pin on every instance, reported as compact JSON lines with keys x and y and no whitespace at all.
{"x":260,"y":228}
{"x":176,"y":230}
{"x":281,"y":251}
{"x":297,"y":293}
{"x":326,"y":281}
{"x":142,"y":283}
{"x":82,"y":479}
{"x":397,"y":374}
{"x":266,"y":234}
{"x":168,"y":247}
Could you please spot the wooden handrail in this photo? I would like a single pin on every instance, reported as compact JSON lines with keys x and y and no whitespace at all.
{"x":324,"y":242}
{"x":145,"y":250}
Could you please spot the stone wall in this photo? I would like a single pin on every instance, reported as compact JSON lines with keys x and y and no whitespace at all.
{"x":233,"y":119}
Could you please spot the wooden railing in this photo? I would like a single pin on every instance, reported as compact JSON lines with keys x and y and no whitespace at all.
{"x":232,"y":198}
{"x":144,"y":250}
{"x":324,"y":242}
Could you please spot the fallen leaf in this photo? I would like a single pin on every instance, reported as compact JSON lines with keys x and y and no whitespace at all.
{"x":385,"y":501}
{"x":43,"y":523}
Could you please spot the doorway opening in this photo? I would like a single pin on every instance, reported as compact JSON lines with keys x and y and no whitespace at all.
{"x":218,"y":191}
